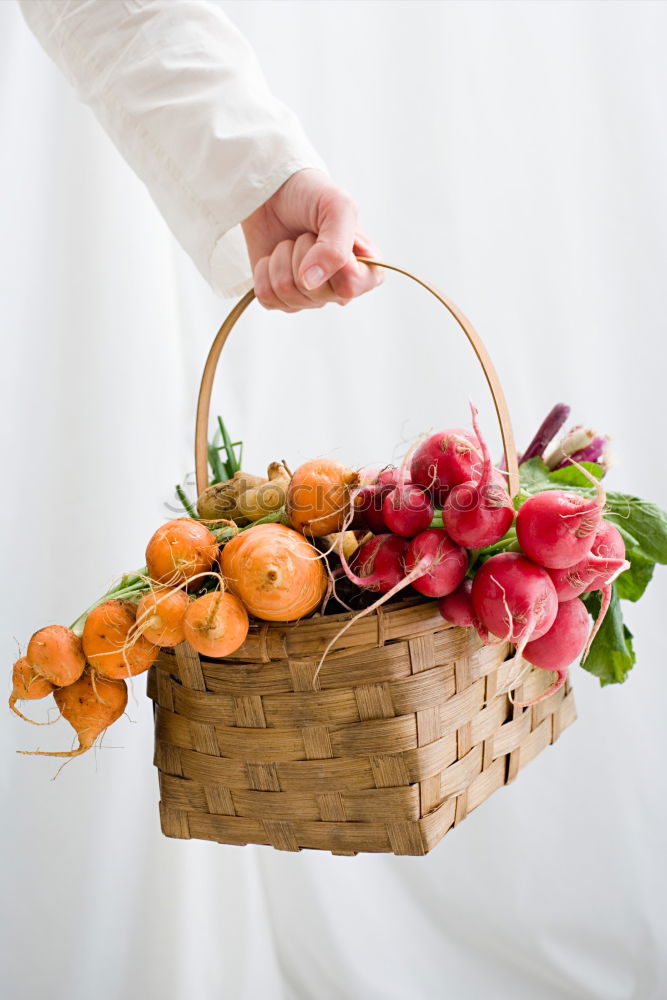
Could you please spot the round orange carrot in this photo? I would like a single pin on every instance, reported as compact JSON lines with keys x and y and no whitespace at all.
{"x":111,"y":644}
{"x":160,"y":616}
{"x":216,"y":624}
{"x":318,"y":497}
{"x":179,"y":550}
{"x":27,"y":685}
{"x":90,"y":706}
{"x":55,"y":652}
{"x":277,"y":573}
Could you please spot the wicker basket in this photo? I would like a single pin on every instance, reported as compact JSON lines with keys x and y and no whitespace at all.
{"x":397,"y":738}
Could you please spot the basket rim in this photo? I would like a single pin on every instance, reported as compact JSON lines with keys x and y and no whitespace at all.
{"x":407,"y":617}
{"x":402,"y":604}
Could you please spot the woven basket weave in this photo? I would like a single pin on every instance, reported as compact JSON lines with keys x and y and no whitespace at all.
{"x":399,"y":736}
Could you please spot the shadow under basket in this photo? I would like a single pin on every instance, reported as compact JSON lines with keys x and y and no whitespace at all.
{"x":398,"y":738}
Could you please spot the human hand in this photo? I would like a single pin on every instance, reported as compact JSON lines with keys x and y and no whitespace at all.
{"x":302,"y":242}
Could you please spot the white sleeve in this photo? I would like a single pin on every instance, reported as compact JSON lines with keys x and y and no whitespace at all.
{"x":182,"y":96}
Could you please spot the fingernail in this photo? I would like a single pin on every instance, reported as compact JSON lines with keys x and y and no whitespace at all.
{"x":313,"y":278}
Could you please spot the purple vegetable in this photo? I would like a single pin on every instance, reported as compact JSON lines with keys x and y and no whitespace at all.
{"x":596,"y":451}
{"x":546,"y":432}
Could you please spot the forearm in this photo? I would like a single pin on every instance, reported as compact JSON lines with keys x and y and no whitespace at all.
{"x":180,"y":93}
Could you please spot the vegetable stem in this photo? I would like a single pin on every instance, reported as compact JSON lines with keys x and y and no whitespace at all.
{"x":187,"y":505}
{"x":132,"y":585}
{"x":232,"y":464}
{"x":547,"y":431}
{"x":275,"y":517}
{"x":129,"y":586}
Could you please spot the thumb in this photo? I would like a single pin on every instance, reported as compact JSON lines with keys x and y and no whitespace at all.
{"x":364,"y":246}
{"x":335,"y":240}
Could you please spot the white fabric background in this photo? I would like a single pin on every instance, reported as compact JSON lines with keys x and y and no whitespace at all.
{"x":514,"y":153}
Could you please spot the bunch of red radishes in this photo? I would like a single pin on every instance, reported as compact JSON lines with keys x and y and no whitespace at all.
{"x":431,"y":518}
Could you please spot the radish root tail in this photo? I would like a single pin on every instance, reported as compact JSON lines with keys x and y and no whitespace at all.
{"x":556,"y":686}
{"x":604,"y":606}
{"x":414,"y":574}
{"x":515,"y":680}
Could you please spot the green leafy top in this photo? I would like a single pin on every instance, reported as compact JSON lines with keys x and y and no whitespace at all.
{"x":536,"y":476}
{"x":612,"y":656}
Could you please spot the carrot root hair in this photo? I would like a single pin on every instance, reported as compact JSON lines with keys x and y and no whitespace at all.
{"x":140,"y":626}
{"x":98,"y":696}
{"x":33,"y":722}
{"x":54,"y":753}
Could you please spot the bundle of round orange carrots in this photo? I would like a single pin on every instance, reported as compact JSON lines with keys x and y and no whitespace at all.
{"x":203,"y":578}
{"x":328,"y":538}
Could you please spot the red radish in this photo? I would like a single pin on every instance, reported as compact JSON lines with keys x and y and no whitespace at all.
{"x":407,"y":510}
{"x":381,"y":566}
{"x":514,"y":598}
{"x":597,"y":571}
{"x":383,"y":548}
{"x":572,"y":581}
{"x":456,"y":608}
{"x":594,"y":570}
{"x":367,"y":506}
{"x":369,"y":474}
{"x":606,"y":555}
{"x":483,"y":633}
{"x":557,"y":528}
{"x":435,"y":567}
{"x":444,"y":460}
{"x":378,"y":563}
{"x":565,"y":640}
{"x":479,"y":512}
{"x":557,"y":648}
{"x":390,"y":476}
{"x":447,"y":562}
{"x":368,"y":500}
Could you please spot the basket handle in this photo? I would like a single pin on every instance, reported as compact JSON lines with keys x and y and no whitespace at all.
{"x":204,"y":401}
